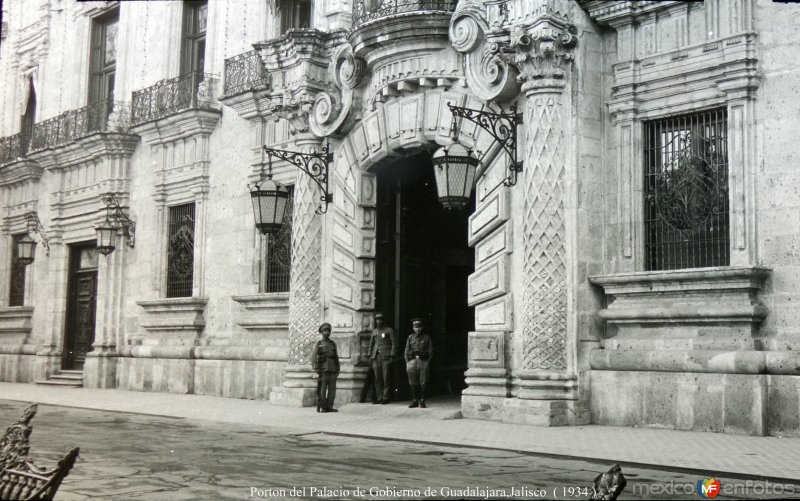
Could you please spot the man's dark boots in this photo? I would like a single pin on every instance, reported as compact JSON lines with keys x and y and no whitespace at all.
{"x":422,"y":397}
{"x":414,"y":401}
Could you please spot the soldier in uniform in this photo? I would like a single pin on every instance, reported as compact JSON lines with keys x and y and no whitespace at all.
{"x":325,"y":361}
{"x":383,"y":348}
{"x":419,"y":351}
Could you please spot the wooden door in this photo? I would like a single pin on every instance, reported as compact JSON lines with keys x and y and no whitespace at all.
{"x":81,"y":305}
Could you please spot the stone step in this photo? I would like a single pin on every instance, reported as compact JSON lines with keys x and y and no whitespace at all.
{"x":66,"y":371}
{"x":68,"y":376}
{"x":61,"y":383}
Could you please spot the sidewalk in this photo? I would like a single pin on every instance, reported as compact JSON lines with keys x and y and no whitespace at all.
{"x":775,"y":458}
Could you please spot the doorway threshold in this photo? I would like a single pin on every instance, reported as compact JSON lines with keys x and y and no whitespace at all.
{"x":439,"y":408}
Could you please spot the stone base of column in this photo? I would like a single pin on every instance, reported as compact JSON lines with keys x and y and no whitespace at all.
{"x":487,"y":382}
{"x":100,"y":370}
{"x":48,"y":362}
{"x":349,"y":384}
{"x":530,"y":412}
{"x":298,"y":390}
{"x":541,"y":385}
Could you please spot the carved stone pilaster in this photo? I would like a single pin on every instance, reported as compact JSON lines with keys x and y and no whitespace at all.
{"x":304,"y":292}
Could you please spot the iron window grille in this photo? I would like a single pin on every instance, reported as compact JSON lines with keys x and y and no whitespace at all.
{"x":686,"y":191}
{"x":180,"y":251}
{"x":278,"y":255}
{"x":17,"y":285}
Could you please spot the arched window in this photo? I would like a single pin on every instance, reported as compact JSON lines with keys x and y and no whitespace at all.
{"x":28,"y":118}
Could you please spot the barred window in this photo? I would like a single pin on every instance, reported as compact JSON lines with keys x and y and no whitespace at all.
{"x":686,"y":191}
{"x":17,"y":285}
{"x":278,"y":256}
{"x":180,"y":250}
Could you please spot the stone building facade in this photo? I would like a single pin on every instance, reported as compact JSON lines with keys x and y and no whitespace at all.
{"x":629,"y":259}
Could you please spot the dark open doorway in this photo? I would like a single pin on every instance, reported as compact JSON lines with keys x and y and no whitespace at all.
{"x":423,"y":262}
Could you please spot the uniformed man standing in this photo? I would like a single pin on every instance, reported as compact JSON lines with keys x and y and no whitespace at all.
{"x":383,"y":348}
{"x":325,"y":361}
{"x":419,"y":351}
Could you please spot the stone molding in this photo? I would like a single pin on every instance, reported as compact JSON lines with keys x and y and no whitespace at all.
{"x":299,"y":64}
{"x":174,"y":315}
{"x":15,"y":326}
{"x":21,"y":171}
{"x":716,"y":295}
{"x":183,"y":125}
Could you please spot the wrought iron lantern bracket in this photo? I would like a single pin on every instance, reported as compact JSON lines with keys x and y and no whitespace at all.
{"x":315,"y":165}
{"x":35,"y":226}
{"x":115,"y":214}
{"x":501,"y":126}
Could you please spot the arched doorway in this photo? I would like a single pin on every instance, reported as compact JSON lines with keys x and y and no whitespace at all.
{"x":422,"y":266}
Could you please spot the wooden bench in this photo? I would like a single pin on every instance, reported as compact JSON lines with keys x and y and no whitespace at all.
{"x":20,"y":479}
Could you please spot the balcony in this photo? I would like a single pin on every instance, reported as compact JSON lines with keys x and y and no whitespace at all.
{"x":192,"y":91}
{"x":13,"y":148}
{"x":385,"y":32}
{"x":365,"y":11}
{"x":103,"y":116}
{"x":244,"y":73}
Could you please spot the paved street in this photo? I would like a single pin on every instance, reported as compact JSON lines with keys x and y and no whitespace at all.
{"x":135,"y":456}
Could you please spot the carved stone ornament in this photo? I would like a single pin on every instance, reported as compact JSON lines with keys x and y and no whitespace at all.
{"x":541,"y":55}
{"x":332,"y":108}
{"x":489,"y":76}
{"x":294,"y":109}
{"x":498,"y":57}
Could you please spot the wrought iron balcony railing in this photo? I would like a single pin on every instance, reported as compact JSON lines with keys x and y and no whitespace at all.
{"x":369,"y":10}
{"x":245,"y":72}
{"x":102,"y":116}
{"x":13,"y":148}
{"x":167,"y":97}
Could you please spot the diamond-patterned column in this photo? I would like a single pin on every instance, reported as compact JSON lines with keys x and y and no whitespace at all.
{"x":299,"y":387}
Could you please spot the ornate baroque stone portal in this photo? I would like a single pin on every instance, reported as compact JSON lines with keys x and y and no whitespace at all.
{"x":531,"y":40}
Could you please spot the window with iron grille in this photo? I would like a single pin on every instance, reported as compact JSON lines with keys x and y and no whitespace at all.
{"x":295,"y":14}
{"x":686,"y":191}
{"x":180,"y":250}
{"x":17,"y":285}
{"x":278,"y":256}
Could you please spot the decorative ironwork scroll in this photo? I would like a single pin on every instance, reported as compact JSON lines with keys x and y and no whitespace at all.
{"x":369,"y":10}
{"x":245,"y":72}
{"x":501,"y":126}
{"x":686,"y":191}
{"x":313,"y":164}
{"x":102,"y":116}
{"x":181,"y":251}
{"x":173,"y":95}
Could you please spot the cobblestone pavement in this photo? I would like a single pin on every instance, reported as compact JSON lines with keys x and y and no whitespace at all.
{"x":135,"y":456}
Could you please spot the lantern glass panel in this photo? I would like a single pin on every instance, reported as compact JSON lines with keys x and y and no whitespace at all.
{"x":26,"y":250}
{"x":105,"y":239}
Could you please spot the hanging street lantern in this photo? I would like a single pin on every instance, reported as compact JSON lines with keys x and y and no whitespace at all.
{"x":454,"y":168}
{"x":269,"y":204}
{"x":105,"y":237}
{"x":26,"y":248}
{"x":116,"y":219}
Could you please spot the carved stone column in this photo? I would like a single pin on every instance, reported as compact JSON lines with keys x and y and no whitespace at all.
{"x":299,"y":387}
{"x":546,"y":376}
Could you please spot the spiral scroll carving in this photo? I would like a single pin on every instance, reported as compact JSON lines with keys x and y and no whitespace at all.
{"x":465,"y":32}
{"x":331,"y":109}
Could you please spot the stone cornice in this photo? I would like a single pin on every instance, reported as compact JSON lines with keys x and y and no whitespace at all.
{"x":101,"y":144}
{"x":178,"y":126}
{"x":19,"y":172}
{"x":299,"y":66}
{"x":617,"y":13}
